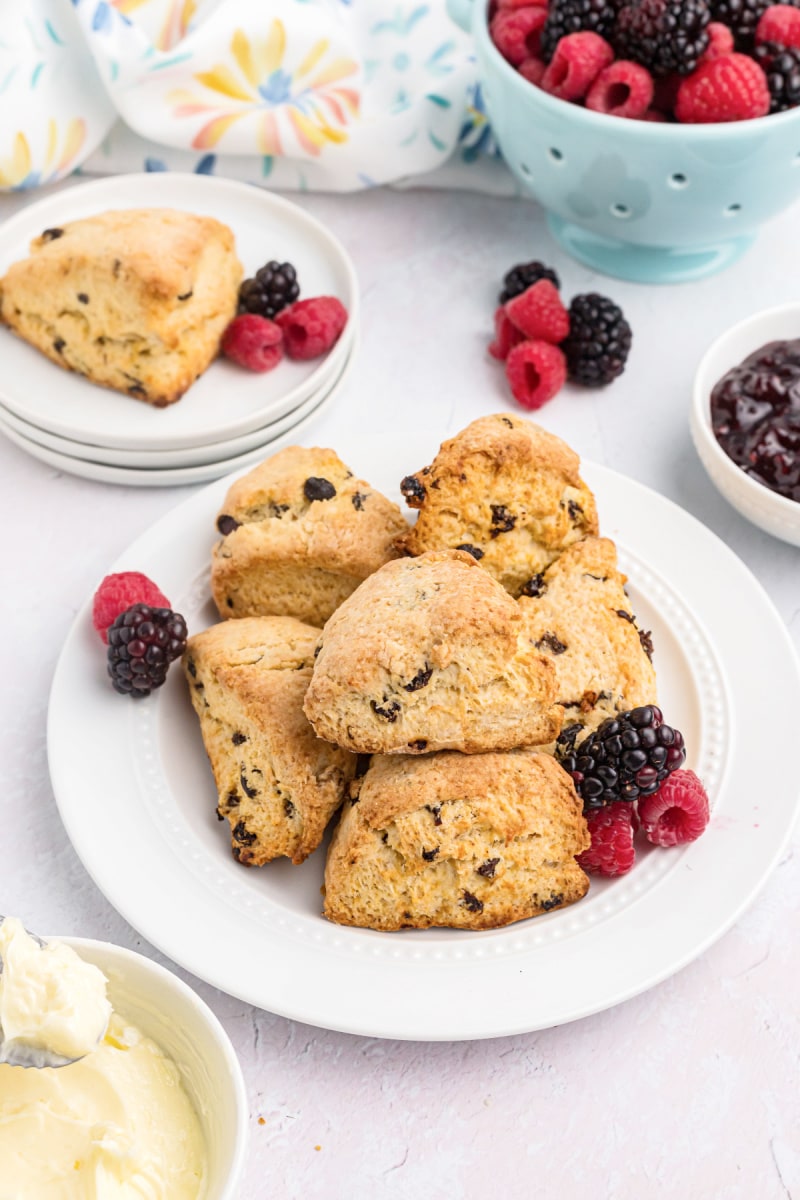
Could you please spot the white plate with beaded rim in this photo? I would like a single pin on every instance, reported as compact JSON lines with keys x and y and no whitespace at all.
{"x":102,"y":472}
{"x":173,"y":459}
{"x":225,"y":401}
{"x":153,"y":844}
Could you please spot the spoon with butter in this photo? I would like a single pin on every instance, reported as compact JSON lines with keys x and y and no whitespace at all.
{"x":53,"y":1005}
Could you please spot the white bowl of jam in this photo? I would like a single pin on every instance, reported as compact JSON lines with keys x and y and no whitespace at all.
{"x":745,"y":418}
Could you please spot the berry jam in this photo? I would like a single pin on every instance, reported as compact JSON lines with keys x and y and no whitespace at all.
{"x":755,"y":415}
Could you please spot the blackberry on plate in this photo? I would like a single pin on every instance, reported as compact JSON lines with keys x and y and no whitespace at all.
{"x":665,"y":36}
{"x":599,"y":340}
{"x":274,"y":288}
{"x":741,"y":17}
{"x":142,"y":643}
{"x":781,"y":65}
{"x":575,"y":16}
{"x":626,"y":757}
{"x":525,"y":275}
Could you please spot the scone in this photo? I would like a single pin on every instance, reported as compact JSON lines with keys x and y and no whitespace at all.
{"x":582,"y":620}
{"x":300,"y":532}
{"x":505,"y":491}
{"x":278,"y":784}
{"x":469,"y":841}
{"x":136,"y":300}
{"x":430,"y":654}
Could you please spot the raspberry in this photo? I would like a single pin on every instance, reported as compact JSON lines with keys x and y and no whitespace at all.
{"x":311,"y":327}
{"x":275,"y":287}
{"x":677,"y":812}
{"x":511,"y":4}
{"x":253,"y":342}
{"x":506,"y":335}
{"x":578,"y":60}
{"x":611,"y":851}
{"x":780,"y":23}
{"x":533,"y":70}
{"x":720,"y":41}
{"x":625,"y":89}
{"x":731,"y":88}
{"x":120,"y":591}
{"x":142,"y":643}
{"x":535,"y":371}
{"x":653,"y":114}
{"x":539,"y":313}
{"x":517,"y":34}
{"x":666,"y":93}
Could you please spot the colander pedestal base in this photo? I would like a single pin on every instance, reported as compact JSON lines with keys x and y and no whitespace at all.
{"x":646,"y":264}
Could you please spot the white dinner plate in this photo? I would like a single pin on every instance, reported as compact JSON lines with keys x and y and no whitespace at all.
{"x":190,"y":457}
{"x":177,"y":476}
{"x":225,"y":401}
{"x":136,"y":796}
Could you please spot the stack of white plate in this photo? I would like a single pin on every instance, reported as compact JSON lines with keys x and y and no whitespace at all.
{"x":230,"y":418}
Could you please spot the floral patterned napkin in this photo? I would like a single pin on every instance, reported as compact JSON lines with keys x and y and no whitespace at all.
{"x":324,"y":94}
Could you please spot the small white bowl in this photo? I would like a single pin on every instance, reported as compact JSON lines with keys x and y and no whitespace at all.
{"x":168,"y":1011}
{"x":774,"y":513}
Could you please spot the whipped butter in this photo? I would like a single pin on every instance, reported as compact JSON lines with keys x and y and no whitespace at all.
{"x":117,"y":1124}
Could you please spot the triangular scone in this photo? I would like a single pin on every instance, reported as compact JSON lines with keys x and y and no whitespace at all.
{"x":278,"y":784}
{"x":473,"y":841}
{"x":582,"y":621}
{"x":507,"y":492}
{"x":429,"y":654}
{"x":300,"y":532}
{"x":136,"y":300}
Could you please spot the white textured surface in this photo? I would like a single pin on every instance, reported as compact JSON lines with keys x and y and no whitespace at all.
{"x":687,"y":1091}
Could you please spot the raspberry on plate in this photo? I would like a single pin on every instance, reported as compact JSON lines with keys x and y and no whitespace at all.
{"x":506,"y":335}
{"x":539,"y":313}
{"x":142,"y":643}
{"x":536,"y":371}
{"x":731,"y":88}
{"x":611,"y":851}
{"x":625,"y":89}
{"x":578,"y":60}
{"x":312,"y":326}
{"x":118,"y":592}
{"x":677,"y":812}
{"x":780,"y":23}
{"x":517,"y":33}
{"x":253,"y":342}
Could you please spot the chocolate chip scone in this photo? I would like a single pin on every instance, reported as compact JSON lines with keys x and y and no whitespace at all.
{"x":505,"y":491}
{"x":300,"y":533}
{"x":136,"y":300}
{"x":472,"y":841}
{"x":580,"y":618}
{"x":430,"y":653}
{"x":278,"y":784}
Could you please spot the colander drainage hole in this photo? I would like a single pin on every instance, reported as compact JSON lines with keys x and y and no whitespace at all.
{"x":678,"y":180}
{"x":621,"y":211}
{"x":732,"y":210}
{"x":525,"y":169}
{"x":556,"y":154}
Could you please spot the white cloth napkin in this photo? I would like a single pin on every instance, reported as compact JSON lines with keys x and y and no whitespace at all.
{"x":296,"y":94}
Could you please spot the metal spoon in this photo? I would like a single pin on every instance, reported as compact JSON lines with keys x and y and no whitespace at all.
{"x":18,"y":1054}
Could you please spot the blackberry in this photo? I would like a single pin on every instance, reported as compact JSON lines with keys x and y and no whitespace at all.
{"x":628,"y":756}
{"x":741,"y":17}
{"x":781,"y":66}
{"x":665,"y":36}
{"x":523,"y":276}
{"x":274,"y":288}
{"x":574,"y":16}
{"x":142,"y":642}
{"x":599,"y":340}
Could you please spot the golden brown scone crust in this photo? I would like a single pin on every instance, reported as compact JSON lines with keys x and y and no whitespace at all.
{"x":583,"y":622}
{"x":507,"y":489}
{"x":136,"y":300}
{"x":429,"y":654}
{"x":468,"y":841}
{"x":290,"y":555}
{"x":278,"y":783}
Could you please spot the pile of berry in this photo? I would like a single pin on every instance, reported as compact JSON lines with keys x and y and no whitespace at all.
{"x":694,"y":61}
{"x":144,"y":636}
{"x":543,"y":343}
{"x":629,"y":775}
{"x":272,"y":320}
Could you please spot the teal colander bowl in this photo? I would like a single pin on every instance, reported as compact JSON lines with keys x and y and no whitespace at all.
{"x":655,"y":203}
